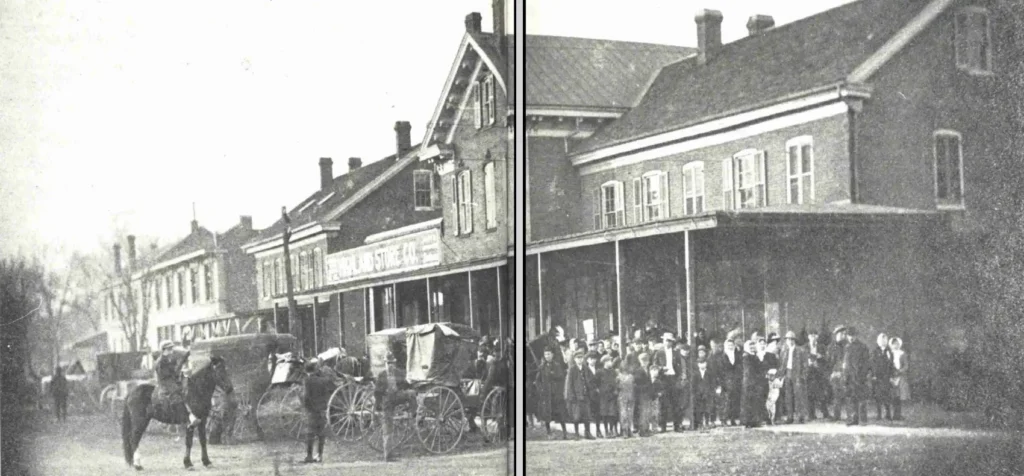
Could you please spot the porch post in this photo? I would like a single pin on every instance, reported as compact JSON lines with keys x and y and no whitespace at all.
{"x":275,"y":318}
{"x":688,"y":258}
{"x":394,"y":305}
{"x":618,"y":298}
{"x":540,"y":296}
{"x":501,"y":322}
{"x":679,"y":281}
{"x":316,"y":341}
{"x":341,"y":319}
{"x":469,"y":279}
{"x":430,"y":303}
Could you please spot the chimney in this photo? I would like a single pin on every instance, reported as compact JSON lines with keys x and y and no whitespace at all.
{"x":195,"y":226}
{"x":246,"y":222}
{"x":498,"y":17}
{"x":709,"y":34}
{"x":759,"y":23}
{"x":402,"y":139}
{"x":326,"y":172}
{"x":131,"y":252}
{"x":117,"y":258}
{"x":473,"y":22}
{"x":354,"y":163}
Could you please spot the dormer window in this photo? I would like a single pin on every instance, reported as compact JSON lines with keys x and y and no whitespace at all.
{"x":483,"y":101}
{"x":423,"y":189}
{"x":973,"y":40}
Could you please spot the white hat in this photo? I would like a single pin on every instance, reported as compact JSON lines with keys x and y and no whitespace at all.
{"x":668,"y":336}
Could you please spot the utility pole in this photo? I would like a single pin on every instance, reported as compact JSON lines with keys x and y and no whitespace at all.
{"x":294,"y":321}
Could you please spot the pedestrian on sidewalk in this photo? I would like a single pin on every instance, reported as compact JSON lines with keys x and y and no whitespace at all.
{"x":59,"y":391}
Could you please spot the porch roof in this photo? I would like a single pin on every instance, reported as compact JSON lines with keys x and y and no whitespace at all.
{"x":779,"y":215}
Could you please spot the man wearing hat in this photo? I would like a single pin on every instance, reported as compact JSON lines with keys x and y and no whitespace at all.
{"x":170,"y":387}
{"x":728,"y":368}
{"x":834,"y":356}
{"x":318,"y":387}
{"x":578,"y":386}
{"x":856,"y":363}
{"x":817,"y":374}
{"x":792,"y":368}
{"x":673,"y":371}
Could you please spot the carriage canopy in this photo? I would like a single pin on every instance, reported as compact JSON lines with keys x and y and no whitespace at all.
{"x":437,"y":353}
{"x":246,"y":357}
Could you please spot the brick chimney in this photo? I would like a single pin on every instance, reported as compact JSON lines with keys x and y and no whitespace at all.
{"x":326,"y":172}
{"x":473,"y":22}
{"x":403,"y":141}
{"x":709,"y":34}
{"x":354,"y":163}
{"x":131,"y":252}
{"x":498,"y":17}
{"x":759,"y":23}
{"x":117,"y":258}
{"x":195,"y":226}
{"x":246,"y":222}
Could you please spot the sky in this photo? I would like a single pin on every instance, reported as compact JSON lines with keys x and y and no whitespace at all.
{"x":667,"y":22}
{"x":117,"y":115}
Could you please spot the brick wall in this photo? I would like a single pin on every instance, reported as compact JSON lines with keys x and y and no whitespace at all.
{"x":554,"y":188}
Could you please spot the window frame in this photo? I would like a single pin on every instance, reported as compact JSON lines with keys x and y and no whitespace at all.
{"x":208,"y":281}
{"x":193,"y":283}
{"x":464,"y":201}
{"x":759,"y":182}
{"x":965,"y":64}
{"x":487,"y":100}
{"x":303,"y":271}
{"x":728,"y":195}
{"x":181,"y":287}
{"x":490,"y":197}
{"x":416,"y":191}
{"x":618,"y":202}
{"x":799,"y":143}
{"x":649,"y":206}
{"x":958,"y":202}
{"x":699,"y":200}
{"x":278,"y":274}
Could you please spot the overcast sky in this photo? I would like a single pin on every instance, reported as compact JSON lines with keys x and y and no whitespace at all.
{"x":658,"y":21}
{"x":118,"y":114}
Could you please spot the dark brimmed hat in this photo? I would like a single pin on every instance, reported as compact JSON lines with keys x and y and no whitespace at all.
{"x":773,"y":337}
{"x":702,"y":347}
{"x":579,"y":353}
{"x":594,"y":355}
{"x":838,"y":329}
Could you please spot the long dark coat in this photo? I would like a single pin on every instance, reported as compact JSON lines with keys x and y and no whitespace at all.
{"x":817,"y":372}
{"x":797,"y":377}
{"x":607,"y":393}
{"x":752,"y":406}
{"x":856,"y":362}
{"x":578,"y":383}
{"x":730,"y":377}
{"x":704,"y":389}
{"x":549,"y":385}
{"x":881,"y":373}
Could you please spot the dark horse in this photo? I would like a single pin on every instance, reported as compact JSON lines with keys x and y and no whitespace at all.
{"x":209,"y":374}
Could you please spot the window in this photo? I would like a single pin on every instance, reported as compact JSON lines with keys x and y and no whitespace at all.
{"x":464,"y":202}
{"x":181,"y":288}
{"x":193,"y":275}
{"x":294,"y":273}
{"x":655,"y":195}
{"x":693,"y":188}
{"x":490,"y":199}
{"x":608,"y":205}
{"x":749,"y":170}
{"x":423,"y":189}
{"x":303,"y":271}
{"x":483,"y":101}
{"x":278,"y":277}
{"x":948,"y":168}
{"x":265,"y":282}
{"x":800,"y":170}
{"x":169,"y":290}
{"x":973,"y":40}
{"x":158,"y":292}
{"x":208,"y":281}
{"x":727,"y":194}
{"x":318,"y":268}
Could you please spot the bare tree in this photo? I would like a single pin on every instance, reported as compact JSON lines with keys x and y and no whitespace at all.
{"x":130,"y":290}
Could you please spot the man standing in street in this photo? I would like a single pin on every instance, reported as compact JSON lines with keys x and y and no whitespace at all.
{"x":817,"y":378}
{"x":728,"y":367}
{"x":834,"y":357}
{"x":856,"y":361}
{"x":792,"y":367}
{"x":673,"y":370}
{"x":59,"y":391}
{"x":318,"y":388}
{"x":881,"y":373}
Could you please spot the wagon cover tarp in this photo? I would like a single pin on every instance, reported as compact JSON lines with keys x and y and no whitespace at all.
{"x":438,"y":354}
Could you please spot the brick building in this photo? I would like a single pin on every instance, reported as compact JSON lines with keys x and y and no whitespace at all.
{"x":796,"y":178}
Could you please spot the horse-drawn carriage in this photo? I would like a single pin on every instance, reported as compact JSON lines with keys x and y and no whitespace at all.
{"x":119,"y":373}
{"x":435,"y":358}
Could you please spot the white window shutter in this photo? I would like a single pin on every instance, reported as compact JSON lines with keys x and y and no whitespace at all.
{"x":455,"y":203}
{"x":469,"y":201}
{"x":638,"y":201}
{"x":620,"y":213}
{"x":727,"y":193}
{"x":477,"y":106}
{"x":761,"y":179}
{"x":666,"y":196}
{"x":598,"y":205}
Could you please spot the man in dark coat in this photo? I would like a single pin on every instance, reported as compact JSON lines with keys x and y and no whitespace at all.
{"x":728,"y":366}
{"x":549,"y":383}
{"x":59,"y":391}
{"x":578,"y":383}
{"x":705,"y":386}
{"x":792,"y":367}
{"x":673,"y":372}
{"x":752,"y":409}
{"x":817,"y":372}
{"x":856,"y":362}
{"x":170,"y":387}
{"x":318,"y":388}
{"x":881,"y":373}
{"x":834,"y":356}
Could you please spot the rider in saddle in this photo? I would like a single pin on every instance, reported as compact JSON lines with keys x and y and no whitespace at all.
{"x":169,"y":375}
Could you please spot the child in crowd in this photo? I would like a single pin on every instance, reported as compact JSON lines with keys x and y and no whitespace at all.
{"x":625,"y":379}
{"x":607,"y":389}
{"x":653,"y":403}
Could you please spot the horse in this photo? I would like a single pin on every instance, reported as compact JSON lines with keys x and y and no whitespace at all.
{"x":208,"y":374}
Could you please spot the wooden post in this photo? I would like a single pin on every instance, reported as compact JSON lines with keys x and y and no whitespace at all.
{"x":618,"y":299}
{"x":394,"y":305}
{"x":680,"y":308}
{"x":469,"y":279}
{"x":275,"y":318}
{"x":430,"y":303}
{"x":316,"y":335}
{"x":341,"y":319}
{"x":294,"y":322}
{"x":540,"y":296}
{"x":688,"y":258}
{"x":501,"y":322}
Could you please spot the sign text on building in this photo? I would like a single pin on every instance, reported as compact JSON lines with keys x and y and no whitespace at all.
{"x":404,"y":253}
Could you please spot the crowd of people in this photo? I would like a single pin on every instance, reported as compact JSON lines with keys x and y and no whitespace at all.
{"x":654,"y":380}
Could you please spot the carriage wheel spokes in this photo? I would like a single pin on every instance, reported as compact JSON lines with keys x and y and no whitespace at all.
{"x":493,"y":413}
{"x":347,"y":413}
{"x":440,"y":420}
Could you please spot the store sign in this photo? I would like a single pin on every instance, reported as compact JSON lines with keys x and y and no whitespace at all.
{"x":405,"y":253}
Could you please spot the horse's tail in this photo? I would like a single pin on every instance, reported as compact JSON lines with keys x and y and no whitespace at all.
{"x":126,"y":434}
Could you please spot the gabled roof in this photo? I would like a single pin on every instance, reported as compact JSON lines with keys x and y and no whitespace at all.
{"x":202,"y":239}
{"x":816,"y":51}
{"x":590,"y":73}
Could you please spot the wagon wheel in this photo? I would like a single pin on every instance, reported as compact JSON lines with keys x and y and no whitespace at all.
{"x":493,"y":416}
{"x":349,"y":412}
{"x":440,"y":420}
{"x":403,"y":423}
{"x":245,"y":418}
{"x":108,"y":400}
{"x":279,"y":412}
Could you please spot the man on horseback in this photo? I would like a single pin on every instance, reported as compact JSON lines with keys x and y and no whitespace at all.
{"x":169,"y":375}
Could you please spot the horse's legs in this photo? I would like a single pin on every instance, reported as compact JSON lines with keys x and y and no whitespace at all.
{"x":202,"y":442}
{"x":188,"y":447}
{"x":137,"y":432}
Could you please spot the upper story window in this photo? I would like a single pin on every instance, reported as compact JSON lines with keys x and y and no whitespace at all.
{"x":609,"y":206}
{"x":423,"y":189}
{"x":265,"y":281}
{"x":208,"y":281}
{"x":318,"y":268}
{"x":727,"y":178}
{"x":949,"y":168}
{"x":294,"y":273}
{"x":168,"y":290}
{"x":193,"y":280}
{"x":973,"y":40}
{"x":484,"y":103}
{"x":650,"y":197}
{"x":158,"y":292}
{"x":800,"y":170}
{"x":278,"y":277}
{"x":490,"y":196}
{"x":748,"y":177}
{"x":693,"y":188}
{"x":303,"y":271}
{"x":181,"y":288}
{"x":462,"y":196}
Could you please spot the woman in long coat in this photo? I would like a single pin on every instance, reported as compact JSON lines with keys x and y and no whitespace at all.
{"x":900,"y":382}
{"x":550,"y":385}
{"x":752,"y":404}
